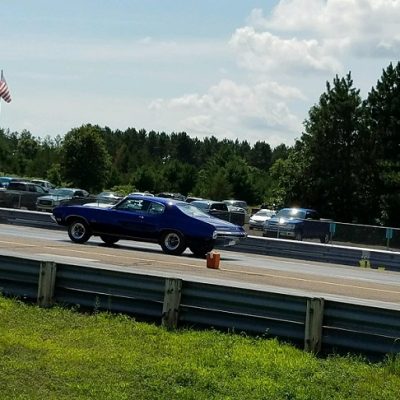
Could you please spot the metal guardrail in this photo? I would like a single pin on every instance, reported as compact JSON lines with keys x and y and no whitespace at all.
{"x":27,"y":218}
{"x":327,"y":253}
{"x":316,"y":325}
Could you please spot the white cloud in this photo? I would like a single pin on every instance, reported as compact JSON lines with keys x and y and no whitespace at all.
{"x":263,"y":51}
{"x":341,"y":25}
{"x":232,"y":110}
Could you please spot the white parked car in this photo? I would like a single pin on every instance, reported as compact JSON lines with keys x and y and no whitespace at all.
{"x":257,"y":220}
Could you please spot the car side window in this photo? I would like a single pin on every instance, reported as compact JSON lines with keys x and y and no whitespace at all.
{"x":134,"y":205}
{"x":155,"y":208}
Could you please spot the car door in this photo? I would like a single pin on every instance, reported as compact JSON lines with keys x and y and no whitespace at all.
{"x":127,"y":218}
{"x":150,"y":220}
{"x":312,"y":224}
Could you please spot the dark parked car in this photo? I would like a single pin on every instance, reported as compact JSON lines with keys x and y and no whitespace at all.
{"x":299,"y":224}
{"x":175,"y":225}
{"x":45,"y":184}
{"x":175,"y":196}
{"x":236,"y":203}
{"x":222,"y":210}
{"x":4,"y":181}
{"x":21,"y":194}
{"x":208,"y":206}
{"x":47,"y":203}
{"x":109,"y":197}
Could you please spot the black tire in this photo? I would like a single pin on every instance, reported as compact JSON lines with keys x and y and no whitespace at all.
{"x":110,"y":240}
{"x":173,"y":243}
{"x":79,"y":231}
{"x":201,"y":249}
{"x":298,"y":236}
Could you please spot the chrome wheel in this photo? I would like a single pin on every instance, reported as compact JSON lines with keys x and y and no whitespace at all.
{"x":173,"y":243}
{"x":78,"y":231}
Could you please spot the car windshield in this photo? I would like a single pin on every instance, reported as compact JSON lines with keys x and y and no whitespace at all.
{"x":63,"y":192}
{"x":291,"y":213}
{"x":190,"y":210}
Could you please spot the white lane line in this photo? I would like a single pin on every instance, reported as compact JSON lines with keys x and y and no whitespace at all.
{"x":18,"y":243}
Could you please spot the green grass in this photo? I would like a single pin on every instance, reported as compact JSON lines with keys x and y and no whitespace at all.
{"x":61,"y":354}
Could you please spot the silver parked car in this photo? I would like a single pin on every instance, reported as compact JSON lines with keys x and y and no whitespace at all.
{"x":257,"y":220}
{"x":47,"y":203}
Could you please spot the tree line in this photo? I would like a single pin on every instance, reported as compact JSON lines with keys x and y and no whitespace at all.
{"x":346,"y":163}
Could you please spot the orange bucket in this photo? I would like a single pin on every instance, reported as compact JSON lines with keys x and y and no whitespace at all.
{"x":213,"y":259}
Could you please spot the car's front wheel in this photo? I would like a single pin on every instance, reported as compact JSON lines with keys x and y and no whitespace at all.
{"x":79,"y":231}
{"x":109,"y":239}
{"x":173,"y":243}
{"x":200,"y":249}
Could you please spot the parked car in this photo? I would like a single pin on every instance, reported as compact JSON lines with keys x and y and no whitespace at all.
{"x":108,"y":197}
{"x":103,"y":199}
{"x":175,"y":196}
{"x":298,"y":223}
{"x":221,"y":210}
{"x":175,"y":225}
{"x":47,"y":203}
{"x":208,"y":206}
{"x":236,"y":203}
{"x":141,"y":194}
{"x":45,"y":184}
{"x":4,"y":181}
{"x":257,"y":220}
{"x":189,"y":199}
{"x":21,"y":194}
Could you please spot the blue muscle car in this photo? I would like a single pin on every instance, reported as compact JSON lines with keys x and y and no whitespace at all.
{"x":175,"y":225}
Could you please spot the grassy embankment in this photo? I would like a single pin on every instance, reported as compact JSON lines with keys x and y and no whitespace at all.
{"x":61,"y":354}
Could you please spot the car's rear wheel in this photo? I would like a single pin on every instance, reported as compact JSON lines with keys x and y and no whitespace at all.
{"x":107,"y":239}
{"x":200,"y":249}
{"x":173,"y":243}
{"x":79,"y":231}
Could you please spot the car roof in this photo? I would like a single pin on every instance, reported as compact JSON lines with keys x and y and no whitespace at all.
{"x":162,"y":200}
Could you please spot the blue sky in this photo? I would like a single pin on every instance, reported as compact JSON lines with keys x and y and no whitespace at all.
{"x":236,"y":69}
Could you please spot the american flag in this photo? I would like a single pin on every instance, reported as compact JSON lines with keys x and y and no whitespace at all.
{"x":4,"y":92}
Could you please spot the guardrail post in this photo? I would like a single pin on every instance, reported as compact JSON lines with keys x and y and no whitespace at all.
{"x":47,"y":279}
{"x":313,"y":326}
{"x":172,"y":300}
